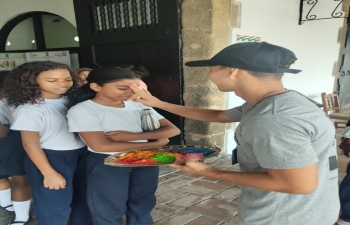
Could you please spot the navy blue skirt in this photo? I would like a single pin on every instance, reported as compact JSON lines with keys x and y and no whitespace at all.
{"x":12,"y":155}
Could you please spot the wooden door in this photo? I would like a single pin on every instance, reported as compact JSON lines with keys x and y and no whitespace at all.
{"x":136,"y":32}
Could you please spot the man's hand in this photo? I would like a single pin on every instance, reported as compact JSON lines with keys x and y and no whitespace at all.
{"x":145,"y":97}
{"x":195,"y":166}
{"x":54,"y":181}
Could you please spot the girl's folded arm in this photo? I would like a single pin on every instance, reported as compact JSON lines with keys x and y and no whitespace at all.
{"x":166,"y":130}
{"x":98,"y":142}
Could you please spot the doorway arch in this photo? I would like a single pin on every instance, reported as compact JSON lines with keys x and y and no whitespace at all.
{"x":38,"y":31}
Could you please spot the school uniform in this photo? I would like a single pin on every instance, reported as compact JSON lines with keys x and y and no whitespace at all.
{"x":12,"y":153}
{"x":115,"y":191}
{"x":66,"y":153}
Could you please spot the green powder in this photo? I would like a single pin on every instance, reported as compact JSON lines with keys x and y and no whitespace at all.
{"x":163,"y":158}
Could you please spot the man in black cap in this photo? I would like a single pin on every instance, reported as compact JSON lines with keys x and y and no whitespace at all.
{"x":286,"y":144}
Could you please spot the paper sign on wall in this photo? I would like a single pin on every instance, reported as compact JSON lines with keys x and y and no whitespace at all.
{"x":57,"y":56}
{"x":246,"y":38}
{"x":8,"y":61}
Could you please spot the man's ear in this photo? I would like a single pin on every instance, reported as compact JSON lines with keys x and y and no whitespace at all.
{"x":233,"y":72}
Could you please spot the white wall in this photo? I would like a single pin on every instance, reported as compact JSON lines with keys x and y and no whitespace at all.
{"x":314,"y":43}
{"x":12,"y":8}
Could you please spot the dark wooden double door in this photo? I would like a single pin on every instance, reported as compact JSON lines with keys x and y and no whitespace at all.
{"x":135,"y":32}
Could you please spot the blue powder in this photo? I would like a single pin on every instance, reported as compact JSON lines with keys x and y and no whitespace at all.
{"x":203,"y":151}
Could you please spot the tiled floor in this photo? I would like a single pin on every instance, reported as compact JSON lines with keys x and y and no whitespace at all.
{"x":185,"y":199}
{"x":194,"y":200}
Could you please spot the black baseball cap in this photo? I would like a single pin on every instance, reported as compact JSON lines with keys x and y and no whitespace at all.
{"x":252,"y":56}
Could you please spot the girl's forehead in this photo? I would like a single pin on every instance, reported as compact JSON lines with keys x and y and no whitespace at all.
{"x":127,"y":81}
{"x":55,"y":72}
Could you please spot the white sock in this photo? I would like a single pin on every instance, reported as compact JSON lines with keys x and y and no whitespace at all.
{"x":22,"y":210}
{"x":5,"y":199}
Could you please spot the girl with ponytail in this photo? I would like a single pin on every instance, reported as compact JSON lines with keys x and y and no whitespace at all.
{"x":101,"y":106}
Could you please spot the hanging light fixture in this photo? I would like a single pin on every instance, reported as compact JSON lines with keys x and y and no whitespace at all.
{"x":8,"y":43}
{"x":76,"y":38}
{"x":33,"y":41}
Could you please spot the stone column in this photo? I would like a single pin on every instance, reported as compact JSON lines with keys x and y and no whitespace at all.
{"x":206,"y":30}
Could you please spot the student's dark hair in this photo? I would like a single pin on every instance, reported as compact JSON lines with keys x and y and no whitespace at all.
{"x":100,"y":76}
{"x":3,"y":76}
{"x":21,"y":86}
{"x":83,"y":69}
{"x":142,"y":71}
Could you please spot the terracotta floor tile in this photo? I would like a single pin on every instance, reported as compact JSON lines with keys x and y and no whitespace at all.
{"x":216,"y":208}
{"x":162,"y":189}
{"x":198,"y":190}
{"x":188,"y":174}
{"x":230,"y":184}
{"x":180,"y":218}
{"x":156,"y":217}
{"x":170,"y":196}
{"x":236,"y":200}
{"x":210,"y":185}
{"x":187,"y":200}
{"x":161,"y":211}
{"x":210,"y":179}
{"x":233,"y":221}
{"x":168,"y":177}
{"x":177,"y":182}
{"x":204,"y":220}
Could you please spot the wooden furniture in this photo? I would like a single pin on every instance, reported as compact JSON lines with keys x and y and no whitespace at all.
{"x":331,"y":106}
{"x":341,"y":115}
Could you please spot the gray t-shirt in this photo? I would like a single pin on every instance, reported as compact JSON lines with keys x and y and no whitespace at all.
{"x":284,"y":132}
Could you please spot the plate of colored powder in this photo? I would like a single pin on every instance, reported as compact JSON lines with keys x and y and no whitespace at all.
{"x":162,"y":156}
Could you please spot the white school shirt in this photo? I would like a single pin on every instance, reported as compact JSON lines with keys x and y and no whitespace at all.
{"x":6,"y":113}
{"x":49,"y":119}
{"x":90,"y":116}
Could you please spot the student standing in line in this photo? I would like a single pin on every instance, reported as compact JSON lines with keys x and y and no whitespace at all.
{"x":83,"y":73}
{"x":15,"y":194}
{"x":55,"y":162}
{"x":100,"y":106}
